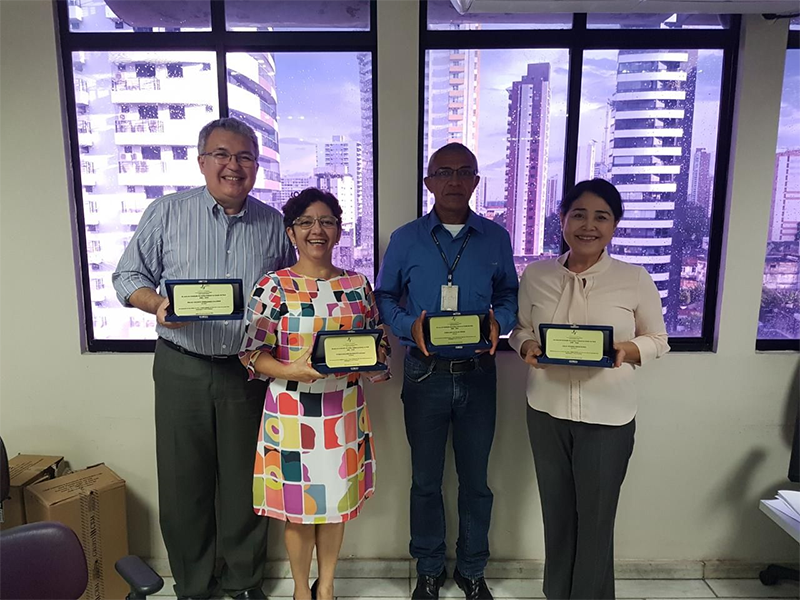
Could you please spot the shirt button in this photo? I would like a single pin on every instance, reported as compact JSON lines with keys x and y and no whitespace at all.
{"x":225,"y":322}
{"x":229,"y":251}
{"x":227,"y":274}
{"x":224,"y":345}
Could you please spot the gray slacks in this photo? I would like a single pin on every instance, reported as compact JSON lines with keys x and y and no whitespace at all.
{"x":207,"y":421}
{"x":580,"y":468}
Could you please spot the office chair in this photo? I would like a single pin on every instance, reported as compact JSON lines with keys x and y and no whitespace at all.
{"x":45,"y":561}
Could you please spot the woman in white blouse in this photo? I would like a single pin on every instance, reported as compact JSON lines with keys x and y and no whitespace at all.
{"x":581,"y":419}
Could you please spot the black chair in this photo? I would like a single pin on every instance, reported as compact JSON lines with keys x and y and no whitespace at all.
{"x":45,"y":561}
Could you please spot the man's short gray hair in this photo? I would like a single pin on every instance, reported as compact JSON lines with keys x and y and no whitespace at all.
{"x":452,"y":147}
{"x":228,"y":124}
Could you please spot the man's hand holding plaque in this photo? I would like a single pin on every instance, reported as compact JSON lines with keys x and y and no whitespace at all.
{"x":459,"y":330}
{"x":204,"y":299}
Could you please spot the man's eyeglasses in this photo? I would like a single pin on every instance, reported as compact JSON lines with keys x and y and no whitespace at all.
{"x":324,"y":222}
{"x":221,"y":157}
{"x":464,"y":173}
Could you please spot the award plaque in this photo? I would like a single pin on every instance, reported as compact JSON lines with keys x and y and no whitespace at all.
{"x":347,"y":351}
{"x":577,"y":345}
{"x":457,"y":330}
{"x":204,"y":299}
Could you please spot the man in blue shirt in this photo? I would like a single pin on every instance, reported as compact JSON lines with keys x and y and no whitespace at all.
{"x":449,"y":260}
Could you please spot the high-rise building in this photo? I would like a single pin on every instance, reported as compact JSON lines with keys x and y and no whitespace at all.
{"x":526,"y":159}
{"x":341,"y":185}
{"x":602,"y":166}
{"x":344,"y":157}
{"x":452,"y":83}
{"x":293,"y":183}
{"x":700,"y":192}
{"x":653,"y":119}
{"x":364,"y":252}
{"x":586,"y":162}
{"x":553,"y":195}
{"x":139,"y":114}
{"x":785,"y":214}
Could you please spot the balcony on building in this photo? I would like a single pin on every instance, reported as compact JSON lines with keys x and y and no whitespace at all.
{"x":134,"y":172}
{"x":656,"y":114}
{"x":154,"y":132}
{"x":645,"y":224}
{"x":81,"y":91}
{"x":154,"y":90}
{"x":85,"y":137}
{"x":75,"y":13}
{"x":90,"y":214}
{"x":88,"y":176}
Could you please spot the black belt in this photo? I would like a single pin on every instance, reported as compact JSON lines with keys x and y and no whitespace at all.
{"x":453,"y":365}
{"x":206,"y":357}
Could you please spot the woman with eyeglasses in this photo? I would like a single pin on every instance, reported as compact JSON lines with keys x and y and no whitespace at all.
{"x":315,"y":461}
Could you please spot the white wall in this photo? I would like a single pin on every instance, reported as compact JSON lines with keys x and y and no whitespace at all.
{"x":711,"y":434}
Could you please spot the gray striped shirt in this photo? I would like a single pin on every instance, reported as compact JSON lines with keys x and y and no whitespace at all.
{"x":188,"y":236}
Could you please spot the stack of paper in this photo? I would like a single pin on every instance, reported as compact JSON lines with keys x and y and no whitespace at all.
{"x":788,"y":502}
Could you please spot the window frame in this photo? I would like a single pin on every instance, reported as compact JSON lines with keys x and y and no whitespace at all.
{"x":576,"y":41}
{"x":221,"y":42}
{"x":764,"y":344}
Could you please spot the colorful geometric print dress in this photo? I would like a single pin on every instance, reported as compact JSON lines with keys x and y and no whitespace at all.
{"x":315,"y":461}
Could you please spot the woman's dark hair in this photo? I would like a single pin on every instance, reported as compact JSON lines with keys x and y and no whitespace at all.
{"x":599,"y":187}
{"x":297,"y":205}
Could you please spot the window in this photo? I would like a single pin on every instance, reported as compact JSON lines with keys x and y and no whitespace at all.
{"x":145,"y":70}
{"x":645,"y":106}
{"x":157,"y":99}
{"x":148,"y":111}
{"x":177,"y":111}
{"x":779,"y":318}
{"x":151,"y":153}
{"x":174,"y":70}
{"x":180,"y":152}
{"x":151,"y":192}
{"x":129,"y":17}
{"x":517,"y":134}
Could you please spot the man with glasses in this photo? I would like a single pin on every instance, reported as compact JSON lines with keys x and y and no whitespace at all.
{"x":450,"y":260}
{"x":207,"y":414}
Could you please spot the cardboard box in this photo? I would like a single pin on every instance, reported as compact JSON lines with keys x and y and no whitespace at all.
{"x":91,"y":502}
{"x":25,"y":470}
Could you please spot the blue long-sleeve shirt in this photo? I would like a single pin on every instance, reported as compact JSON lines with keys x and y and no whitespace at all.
{"x":413,"y":273}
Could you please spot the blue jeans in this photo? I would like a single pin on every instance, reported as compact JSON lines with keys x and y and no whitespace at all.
{"x":433,"y":400}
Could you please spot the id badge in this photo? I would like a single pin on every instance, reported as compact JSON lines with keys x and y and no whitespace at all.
{"x":449,"y":298}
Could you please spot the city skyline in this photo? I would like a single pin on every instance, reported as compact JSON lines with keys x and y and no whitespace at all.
{"x":139,"y":114}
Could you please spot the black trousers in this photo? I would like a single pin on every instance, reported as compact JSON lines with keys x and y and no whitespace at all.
{"x":580,"y":468}
{"x":207,"y":420}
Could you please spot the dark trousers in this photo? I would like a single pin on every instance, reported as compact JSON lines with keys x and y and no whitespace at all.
{"x":207,"y":420}
{"x":580,"y":468}
{"x":433,"y":400}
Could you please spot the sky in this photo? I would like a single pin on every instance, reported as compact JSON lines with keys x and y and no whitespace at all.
{"x":789,"y":125}
{"x":318,"y":97}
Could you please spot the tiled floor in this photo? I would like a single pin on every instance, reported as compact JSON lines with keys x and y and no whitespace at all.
{"x":634,"y":589}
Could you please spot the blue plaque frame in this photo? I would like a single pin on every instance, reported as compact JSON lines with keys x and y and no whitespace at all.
{"x":486,"y":330}
{"x":318,"y":351}
{"x":609,"y":355}
{"x":238,"y":300}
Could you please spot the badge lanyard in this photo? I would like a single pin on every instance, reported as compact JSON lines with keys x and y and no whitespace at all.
{"x":450,"y":292}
